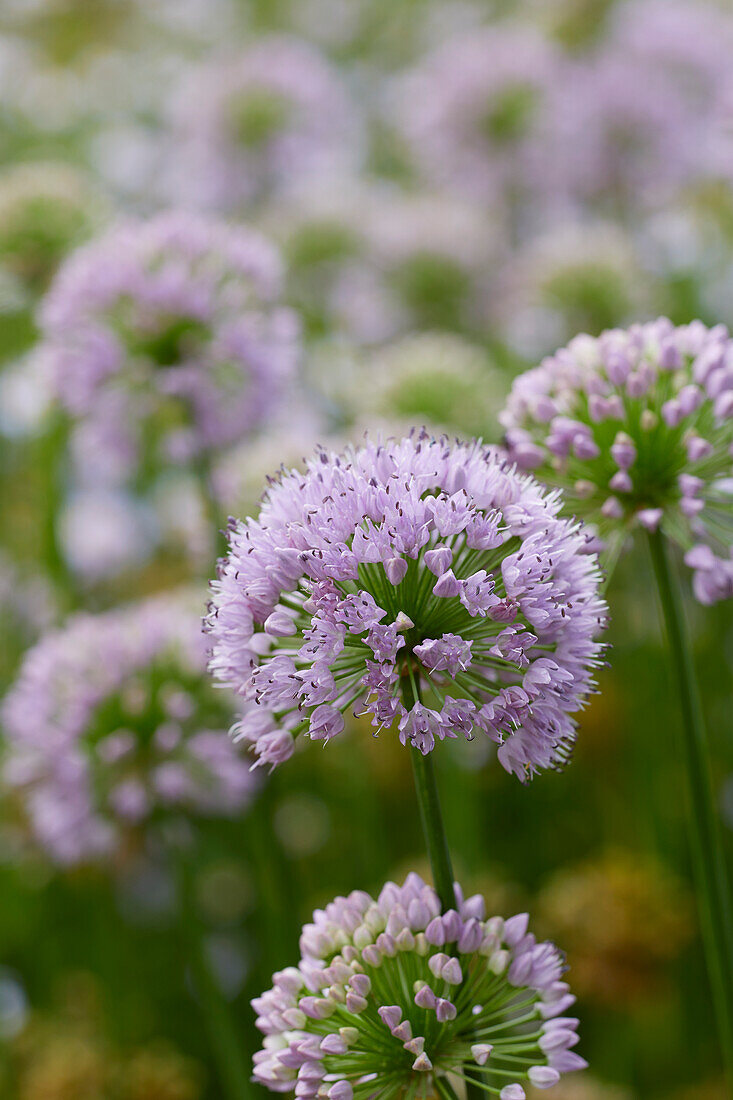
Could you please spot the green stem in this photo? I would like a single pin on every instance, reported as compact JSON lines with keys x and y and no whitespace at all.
{"x":433,"y":829}
{"x":224,"y":1041}
{"x":212,"y":511}
{"x":431,"y":816}
{"x":53,"y":465}
{"x":708,"y":860}
{"x":274,"y":882}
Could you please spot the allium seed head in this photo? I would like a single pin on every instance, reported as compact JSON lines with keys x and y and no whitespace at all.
{"x":374,"y":1008}
{"x":422,"y":581}
{"x":636,"y":426}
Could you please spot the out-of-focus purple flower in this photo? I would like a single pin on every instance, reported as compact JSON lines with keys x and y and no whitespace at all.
{"x":423,"y":580}
{"x":637,"y":427}
{"x":103,"y":532}
{"x":424,"y":264}
{"x":248,"y":125}
{"x":390,"y":993}
{"x":166,"y":340}
{"x":474,"y":111}
{"x":111,"y":721}
{"x":373,"y":259}
{"x":581,"y":276}
{"x":622,"y":114}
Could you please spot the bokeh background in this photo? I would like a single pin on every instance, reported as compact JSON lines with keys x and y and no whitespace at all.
{"x":456,"y":188}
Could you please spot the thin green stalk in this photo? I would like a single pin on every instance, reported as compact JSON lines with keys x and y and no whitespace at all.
{"x":708,"y":860}
{"x":436,"y":841}
{"x":212,"y":510}
{"x":274,"y":882}
{"x":53,"y":460}
{"x":226,"y":1048}
{"x":431,"y":816}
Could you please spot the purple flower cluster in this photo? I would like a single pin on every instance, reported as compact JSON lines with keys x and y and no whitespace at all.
{"x":167,"y":334}
{"x":473,"y":110}
{"x":422,"y":263}
{"x":252,"y":124}
{"x":637,"y":427}
{"x":423,"y":580}
{"x":392,"y":997}
{"x":373,"y":260}
{"x":501,"y":113}
{"x":111,"y":721}
{"x":623,"y":113}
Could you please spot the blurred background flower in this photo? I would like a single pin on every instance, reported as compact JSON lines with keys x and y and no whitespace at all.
{"x":626,"y":918}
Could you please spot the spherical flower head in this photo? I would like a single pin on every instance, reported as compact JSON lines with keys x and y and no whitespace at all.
{"x":166,"y":336}
{"x":112,"y":723}
{"x":390,"y":996}
{"x":435,"y":378}
{"x":251,"y":124}
{"x":421,"y":581}
{"x":620,"y":142}
{"x":637,"y":427}
{"x":473,"y":110}
{"x":427,"y":258}
{"x":46,"y":210}
{"x":576,"y":278}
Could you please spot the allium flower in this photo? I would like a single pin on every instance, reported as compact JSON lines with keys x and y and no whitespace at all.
{"x":435,"y":378}
{"x":375,"y":260}
{"x":637,"y":426}
{"x":46,"y":210}
{"x":422,"y":580}
{"x":424,"y":266}
{"x":111,"y":722}
{"x":166,"y":339}
{"x":579,"y":277}
{"x":252,"y":123}
{"x":622,"y":114}
{"x":392,"y":998}
{"x":474,"y":109}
